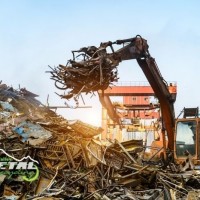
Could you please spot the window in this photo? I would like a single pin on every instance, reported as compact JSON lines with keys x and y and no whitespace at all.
{"x":185,"y":137}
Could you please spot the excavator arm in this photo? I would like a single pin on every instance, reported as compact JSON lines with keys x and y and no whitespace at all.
{"x":137,"y":48}
{"x":166,"y":100}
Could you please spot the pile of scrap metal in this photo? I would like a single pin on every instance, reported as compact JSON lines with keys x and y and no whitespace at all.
{"x":71,"y":162}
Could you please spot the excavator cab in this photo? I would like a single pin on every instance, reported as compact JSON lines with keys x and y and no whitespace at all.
{"x":187,"y":135}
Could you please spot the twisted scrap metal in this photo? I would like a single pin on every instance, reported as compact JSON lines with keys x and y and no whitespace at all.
{"x":96,"y":71}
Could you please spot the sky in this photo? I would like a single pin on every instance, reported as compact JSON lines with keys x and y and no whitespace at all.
{"x":35,"y":34}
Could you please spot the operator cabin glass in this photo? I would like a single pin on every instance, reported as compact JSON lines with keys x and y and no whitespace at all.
{"x":185,"y":137}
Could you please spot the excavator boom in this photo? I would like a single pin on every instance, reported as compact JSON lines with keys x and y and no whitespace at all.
{"x":166,"y":99}
{"x":137,"y":48}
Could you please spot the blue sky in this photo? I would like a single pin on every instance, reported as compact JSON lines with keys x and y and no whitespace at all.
{"x":35,"y":34}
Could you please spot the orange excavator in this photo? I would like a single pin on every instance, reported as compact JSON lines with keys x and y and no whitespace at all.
{"x":97,"y":70}
{"x":183,"y":135}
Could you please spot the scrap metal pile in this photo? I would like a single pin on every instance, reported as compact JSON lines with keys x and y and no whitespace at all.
{"x":71,"y":163}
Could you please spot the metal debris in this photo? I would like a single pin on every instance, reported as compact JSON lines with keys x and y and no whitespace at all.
{"x":96,"y":71}
{"x":74,"y":164}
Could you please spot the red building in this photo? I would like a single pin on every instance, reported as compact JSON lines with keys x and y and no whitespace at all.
{"x":138,"y":106}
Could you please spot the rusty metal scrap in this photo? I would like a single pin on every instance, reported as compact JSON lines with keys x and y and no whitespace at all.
{"x":84,"y":129}
{"x":92,"y":68}
{"x":75,"y":165}
{"x":94,"y":72}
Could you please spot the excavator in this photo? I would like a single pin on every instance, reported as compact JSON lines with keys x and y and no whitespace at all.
{"x":180,"y":137}
{"x":183,"y":134}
